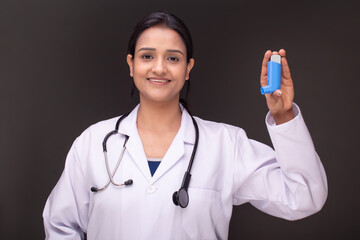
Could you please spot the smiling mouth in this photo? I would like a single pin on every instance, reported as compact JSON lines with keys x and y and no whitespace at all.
{"x":158,"y":80}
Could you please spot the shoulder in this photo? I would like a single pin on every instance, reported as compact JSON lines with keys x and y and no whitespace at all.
{"x":96,"y":132}
{"x":107,"y":124}
{"x":102,"y":126}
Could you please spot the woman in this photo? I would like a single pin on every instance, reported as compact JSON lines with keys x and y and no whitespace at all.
{"x":160,"y":135}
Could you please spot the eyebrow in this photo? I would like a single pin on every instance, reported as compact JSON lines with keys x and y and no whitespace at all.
{"x":154,"y":49}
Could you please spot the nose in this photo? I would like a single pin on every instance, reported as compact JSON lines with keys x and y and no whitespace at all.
{"x":159,"y":67}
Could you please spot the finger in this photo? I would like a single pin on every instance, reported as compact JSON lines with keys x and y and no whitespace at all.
{"x":285,"y":68}
{"x":266,"y":59}
{"x":263,"y":76}
{"x":282,"y":52}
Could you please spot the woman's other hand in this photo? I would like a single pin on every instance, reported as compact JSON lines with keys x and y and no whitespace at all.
{"x":280,"y":101}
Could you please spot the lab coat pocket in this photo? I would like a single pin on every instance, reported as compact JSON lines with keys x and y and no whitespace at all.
{"x":203,"y":218}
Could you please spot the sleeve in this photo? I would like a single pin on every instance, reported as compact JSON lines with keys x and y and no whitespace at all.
{"x":289,"y":182}
{"x":65,"y":212}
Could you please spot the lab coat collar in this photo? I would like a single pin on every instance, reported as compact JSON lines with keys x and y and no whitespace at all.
{"x":186,"y":134}
{"x":129,"y":125}
{"x":187,"y":127}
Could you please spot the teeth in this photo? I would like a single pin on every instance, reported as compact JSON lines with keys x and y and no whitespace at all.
{"x":157,"y":80}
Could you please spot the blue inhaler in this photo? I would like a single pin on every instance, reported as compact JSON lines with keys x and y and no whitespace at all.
{"x":274,"y":75}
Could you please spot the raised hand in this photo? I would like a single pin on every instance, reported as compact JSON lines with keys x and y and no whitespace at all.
{"x":280,"y":101}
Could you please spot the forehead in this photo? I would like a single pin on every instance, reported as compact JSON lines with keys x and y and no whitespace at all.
{"x":160,"y":37}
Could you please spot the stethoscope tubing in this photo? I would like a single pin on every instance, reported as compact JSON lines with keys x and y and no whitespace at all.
{"x":180,"y":198}
{"x":111,"y":175}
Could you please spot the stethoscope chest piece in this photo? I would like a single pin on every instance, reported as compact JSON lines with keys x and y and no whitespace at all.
{"x":181,"y":198}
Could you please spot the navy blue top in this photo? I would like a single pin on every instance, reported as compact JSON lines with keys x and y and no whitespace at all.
{"x":153,"y":165}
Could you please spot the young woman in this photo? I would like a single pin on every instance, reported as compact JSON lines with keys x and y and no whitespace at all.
{"x":181,"y":175}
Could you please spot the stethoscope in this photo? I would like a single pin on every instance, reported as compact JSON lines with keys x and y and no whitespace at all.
{"x":180,"y":198}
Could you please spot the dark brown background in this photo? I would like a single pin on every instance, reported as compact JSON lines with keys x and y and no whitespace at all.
{"x":62,"y":68}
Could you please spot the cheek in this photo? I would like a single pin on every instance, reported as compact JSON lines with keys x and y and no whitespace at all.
{"x":179,"y":71}
{"x":139,"y":68}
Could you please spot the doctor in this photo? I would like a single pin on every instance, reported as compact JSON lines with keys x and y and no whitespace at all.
{"x":228,"y":168}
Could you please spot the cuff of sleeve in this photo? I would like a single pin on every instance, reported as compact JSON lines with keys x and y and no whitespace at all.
{"x":270,"y":122}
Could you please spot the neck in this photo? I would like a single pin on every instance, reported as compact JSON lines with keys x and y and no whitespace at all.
{"x":159,"y":117}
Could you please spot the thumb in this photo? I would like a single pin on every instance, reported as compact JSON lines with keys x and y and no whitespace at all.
{"x":277,"y":93}
{"x":274,"y":97}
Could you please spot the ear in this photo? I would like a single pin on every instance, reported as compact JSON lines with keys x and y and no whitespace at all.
{"x":130,"y":62}
{"x":190,"y":65}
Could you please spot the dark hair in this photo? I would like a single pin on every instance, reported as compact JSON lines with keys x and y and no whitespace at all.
{"x":162,"y":18}
{"x":171,"y":21}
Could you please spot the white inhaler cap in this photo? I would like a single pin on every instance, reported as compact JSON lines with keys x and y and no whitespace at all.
{"x":275,"y":58}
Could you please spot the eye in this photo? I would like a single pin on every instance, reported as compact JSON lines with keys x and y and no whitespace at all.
{"x":147,"y":56}
{"x":173,"y":59}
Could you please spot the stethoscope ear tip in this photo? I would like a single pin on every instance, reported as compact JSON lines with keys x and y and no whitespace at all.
{"x":94,"y":189}
{"x":128,"y":182}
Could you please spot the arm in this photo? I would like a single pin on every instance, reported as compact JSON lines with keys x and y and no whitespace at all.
{"x":291,"y":182}
{"x":65,"y":212}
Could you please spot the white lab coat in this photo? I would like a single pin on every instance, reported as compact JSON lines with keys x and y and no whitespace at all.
{"x":229,"y":169}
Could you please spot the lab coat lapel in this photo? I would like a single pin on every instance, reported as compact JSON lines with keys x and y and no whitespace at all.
{"x":173,"y":154}
{"x":186,"y":134}
{"x":136,"y":150}
{"x":134,"y":145}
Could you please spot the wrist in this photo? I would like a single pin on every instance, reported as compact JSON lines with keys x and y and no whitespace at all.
{"x":283,"y":116}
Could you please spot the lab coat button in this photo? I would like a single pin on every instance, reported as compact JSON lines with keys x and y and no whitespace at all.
{"x":151,"y":189}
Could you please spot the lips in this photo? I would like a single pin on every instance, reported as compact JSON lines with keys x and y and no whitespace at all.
{"x":158,"y":80}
